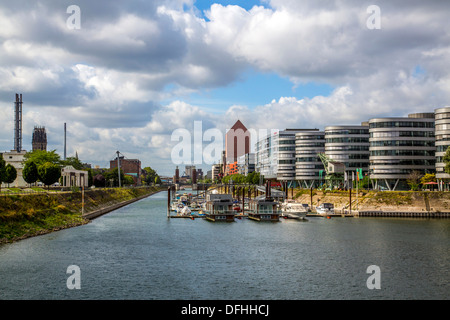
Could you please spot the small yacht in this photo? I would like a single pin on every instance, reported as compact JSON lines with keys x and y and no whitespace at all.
{"x":325,"y":209}
{"x":293,"y":210}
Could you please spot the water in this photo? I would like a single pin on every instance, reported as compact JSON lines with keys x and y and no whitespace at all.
{"x":137,"y":253}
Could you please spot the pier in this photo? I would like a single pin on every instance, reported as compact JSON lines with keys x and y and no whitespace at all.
{"x":242,"y":195}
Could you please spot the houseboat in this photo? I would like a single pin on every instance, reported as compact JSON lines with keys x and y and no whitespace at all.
{"x":263,"y":209}
{"x":219,"y":207}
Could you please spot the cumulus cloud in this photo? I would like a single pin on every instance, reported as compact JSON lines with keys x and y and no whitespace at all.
{"x":120,"y":80}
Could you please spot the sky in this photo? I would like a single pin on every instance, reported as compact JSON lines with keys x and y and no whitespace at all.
{"x":133,"y":73}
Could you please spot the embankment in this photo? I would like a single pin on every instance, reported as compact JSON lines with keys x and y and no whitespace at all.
{"x":388,"y":201}
{"x":23,"y":216}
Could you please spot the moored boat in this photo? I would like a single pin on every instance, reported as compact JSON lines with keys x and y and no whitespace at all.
{"x":325,"y":209}
{"x":219,"y":207}
{"x":293,"y":210}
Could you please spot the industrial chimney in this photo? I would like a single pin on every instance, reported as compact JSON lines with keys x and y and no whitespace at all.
{"x":18,"y":124}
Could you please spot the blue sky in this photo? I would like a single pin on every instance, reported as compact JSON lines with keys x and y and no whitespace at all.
{"x":255,"y":89}
{"x":203,"y":5}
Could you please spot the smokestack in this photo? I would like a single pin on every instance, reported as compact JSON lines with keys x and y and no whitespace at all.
{"x":65,"y":141}
{"x":194,"y":176}
{"x":177,"y":175}
{"x":18,"y":124}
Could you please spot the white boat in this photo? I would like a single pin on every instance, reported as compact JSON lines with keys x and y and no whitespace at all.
{"x":293,"y":210}
{"x":325,"y":209}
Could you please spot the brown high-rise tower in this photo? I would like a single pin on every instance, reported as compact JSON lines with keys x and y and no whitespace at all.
{"x":39,"y":141}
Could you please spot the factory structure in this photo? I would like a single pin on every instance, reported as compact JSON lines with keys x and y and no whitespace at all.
{"x":15,"y":157}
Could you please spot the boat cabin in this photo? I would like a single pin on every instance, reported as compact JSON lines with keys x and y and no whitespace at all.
{"x":219,"y":207}
{"x":263,"y":209}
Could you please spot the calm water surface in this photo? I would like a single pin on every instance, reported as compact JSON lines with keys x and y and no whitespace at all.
{"x":137,"y":253}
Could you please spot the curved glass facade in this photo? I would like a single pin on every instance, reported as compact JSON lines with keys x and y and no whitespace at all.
{"x":399,"y":146}
{"x":308,"y":164}
{"x":348,"y":144}
{"x":442,"y":133}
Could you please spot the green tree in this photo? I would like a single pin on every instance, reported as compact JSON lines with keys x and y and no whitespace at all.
{"x":90,"y":178}
{"x":128,"y":180}
{"x":10,"y":174}
{"x":40,"y":157}
{"x":446,"y":160}
{"x":74,"y":162}
{"x":150,"y":175}
{"x":99,"y":181}
{"x":2,"y":169}
{"x":30,"y":172}
{"x":113,"y":175}
{"x":429,"y":177}
{"x":49,"y":173}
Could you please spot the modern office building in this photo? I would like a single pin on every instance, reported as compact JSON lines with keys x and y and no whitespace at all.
{"x":442,"y":138}
{"x":348,"y":144}
{"x":308,"y":145}
{"x":246,"y":163}
{"x":275,"y":155}
{"x":399,"y":146}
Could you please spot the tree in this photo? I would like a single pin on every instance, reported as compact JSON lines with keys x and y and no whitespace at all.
{"x":10,"y":174}
{"x":99,"y":181}
{"x":128,"y":180}
{"x":413,"y":180}
{"x":429,"y":177}
{"x":74,"y":162}
{"x":49,"y":173}
{"x":40,"y":157}
{"x":2,"y":169}
{"x":30,"y":172}
{"x":150,"y":175}
{"x":446,"y":160}
{"x":113,"y":175}
{"x":253,"y":178}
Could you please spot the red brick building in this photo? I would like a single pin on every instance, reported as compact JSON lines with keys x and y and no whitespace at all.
{"x":130,"y":167}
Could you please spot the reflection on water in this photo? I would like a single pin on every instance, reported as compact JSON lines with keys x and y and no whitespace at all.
{"x":137,"y":253}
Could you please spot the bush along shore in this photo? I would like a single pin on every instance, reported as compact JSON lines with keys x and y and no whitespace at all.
{"x":23,"y":216}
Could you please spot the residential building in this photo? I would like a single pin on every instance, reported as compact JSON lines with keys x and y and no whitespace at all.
{"x":399,"y":146}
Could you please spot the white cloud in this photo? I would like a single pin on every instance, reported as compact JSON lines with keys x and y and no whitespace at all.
{"x":120,"y":80}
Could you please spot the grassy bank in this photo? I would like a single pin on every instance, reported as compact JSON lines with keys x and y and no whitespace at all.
{"x":380,"y":200}
{"x":23,"y":216}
